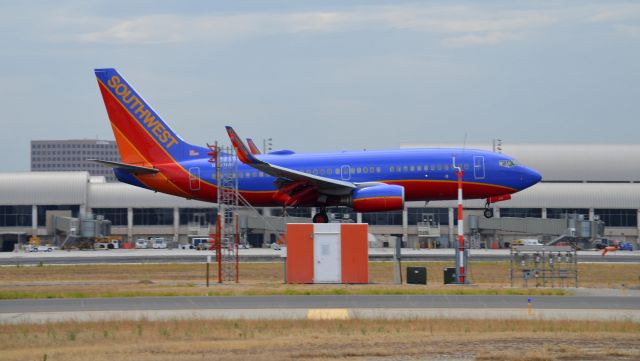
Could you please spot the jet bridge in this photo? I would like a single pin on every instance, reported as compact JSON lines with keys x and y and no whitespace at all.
{"x":572,"y":229}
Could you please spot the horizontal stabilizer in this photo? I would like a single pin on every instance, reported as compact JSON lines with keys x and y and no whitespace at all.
{"x":129,"y":168}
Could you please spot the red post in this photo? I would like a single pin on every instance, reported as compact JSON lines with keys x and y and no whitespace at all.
{"x":460,"y":260}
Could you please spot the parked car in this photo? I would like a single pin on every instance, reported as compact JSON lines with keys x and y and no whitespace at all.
{"x":41,"y":249}
{"x":275,"y":246}
{"x":159,"y":243}
{"x":625,"y":246}
{"x":141,"y":243}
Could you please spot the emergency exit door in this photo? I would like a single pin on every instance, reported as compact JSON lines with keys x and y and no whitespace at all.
{"x":478,"y":167}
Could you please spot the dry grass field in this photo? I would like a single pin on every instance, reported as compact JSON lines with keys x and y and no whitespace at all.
{"x":125,"y":280}
{"x":438,"y":339}
{"x":117,"y":280}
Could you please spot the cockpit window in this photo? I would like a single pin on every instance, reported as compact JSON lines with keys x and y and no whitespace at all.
{"x":507,"y":163}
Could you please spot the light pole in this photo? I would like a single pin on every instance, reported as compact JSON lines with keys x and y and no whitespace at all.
{"x":497,"y":145}
{"x":267,"y":145}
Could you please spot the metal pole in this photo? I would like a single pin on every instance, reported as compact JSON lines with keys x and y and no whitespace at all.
{"x":237,"y":241}
{"x":461,"y":255}
{"x":208,"y":263}
{"x":460,"y":259}
{"x":397,"y":256}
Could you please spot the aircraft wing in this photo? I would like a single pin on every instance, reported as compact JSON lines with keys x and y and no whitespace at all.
{"x":129,"y":168}
{"x":323,"y":184}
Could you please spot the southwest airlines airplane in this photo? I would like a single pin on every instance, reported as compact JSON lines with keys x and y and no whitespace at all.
{"x":156,"y":158}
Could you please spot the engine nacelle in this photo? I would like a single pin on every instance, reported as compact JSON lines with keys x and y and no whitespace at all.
{"x":379,"y":198}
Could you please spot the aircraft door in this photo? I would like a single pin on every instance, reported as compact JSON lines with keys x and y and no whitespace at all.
{"x":345,"y":172}
{"x":194,"y":178}
{"x":478,"y":167}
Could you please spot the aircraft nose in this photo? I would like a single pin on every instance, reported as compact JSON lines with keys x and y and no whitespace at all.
{"x":530,"y":177}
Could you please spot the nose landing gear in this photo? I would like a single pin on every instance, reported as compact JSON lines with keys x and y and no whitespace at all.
{"x":488,"y":211}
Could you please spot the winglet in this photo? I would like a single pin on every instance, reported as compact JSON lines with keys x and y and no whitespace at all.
{"x":252,"y":146}
{"x":243,"y":152}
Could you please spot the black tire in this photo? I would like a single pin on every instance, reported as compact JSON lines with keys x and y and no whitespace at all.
{"x":488,"y":213}
{"x":321,"y":217}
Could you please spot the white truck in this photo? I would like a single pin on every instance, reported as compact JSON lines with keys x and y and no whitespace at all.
{"x":158,"y":243}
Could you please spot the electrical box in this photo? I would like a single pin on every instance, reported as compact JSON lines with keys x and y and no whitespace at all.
{"x":327,"y":253}
{"x":417,"y":275}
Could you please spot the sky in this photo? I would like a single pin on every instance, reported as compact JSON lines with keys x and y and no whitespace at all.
{"x":326,"y":75}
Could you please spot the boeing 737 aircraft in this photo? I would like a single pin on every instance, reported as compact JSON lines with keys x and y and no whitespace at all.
{"x":154,"y":157}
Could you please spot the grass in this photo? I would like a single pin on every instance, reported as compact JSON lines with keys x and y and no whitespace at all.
{"x":136,"y":280}
{"x":322,"y":340}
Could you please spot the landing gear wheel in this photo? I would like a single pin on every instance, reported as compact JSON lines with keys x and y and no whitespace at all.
{"x":321,"y":217}
{"x":488,"y":213}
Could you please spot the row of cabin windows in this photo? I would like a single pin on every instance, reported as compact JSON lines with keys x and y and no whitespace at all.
{"x":363,"y":170}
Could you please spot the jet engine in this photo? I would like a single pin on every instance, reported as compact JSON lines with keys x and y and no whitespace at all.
{"x":378,"y":198}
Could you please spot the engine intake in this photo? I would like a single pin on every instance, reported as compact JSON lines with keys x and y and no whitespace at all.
{"x":380,"y":198}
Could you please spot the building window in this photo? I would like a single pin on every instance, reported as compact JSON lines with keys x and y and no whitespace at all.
{"x":117,"y":216}
{"x":618,"y":217}
{"x":341,"y":213}
{"x":42,"y":212}
{"x":199,"y":216}
{"x":383,"y":218}
{"x":521,"y":212}
{"x":438,"y":215}
{"x":293,"y":212}
{"x":152,"y":216}
{"x":560,"y":213}
{"x":15,"y":216}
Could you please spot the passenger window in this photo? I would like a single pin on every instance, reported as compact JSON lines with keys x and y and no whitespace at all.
{"x":337,"y":170}
{"x":378,"y":170}
{"x":405,"y":168}
{"x":433,"y":167}
{"x":358,"y":170}
{"x":309,"y":171}
{"x":412,"y":168}
{"x":315,"y":171}
{"x":439,"y":166}
{"x":466,"y":166}
{"x":322,"y":171}
{"x":365,"y":170}
{"x":419,"y":168}
{"x":329,"y":171}
{"x":392,"y":169}
{"x":352,"y":170}
{"x":446,"y":167}
{"x":254,"y":174}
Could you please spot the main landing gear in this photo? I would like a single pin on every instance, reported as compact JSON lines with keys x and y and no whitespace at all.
{"x":321,"y":217}
{"x":488,"y":211}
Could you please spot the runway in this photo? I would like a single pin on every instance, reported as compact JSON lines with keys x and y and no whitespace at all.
{"x":334,"y":306}
{"x":267,"y":255}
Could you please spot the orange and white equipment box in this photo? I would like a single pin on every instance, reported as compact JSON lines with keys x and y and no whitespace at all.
{"x":327,"y":253}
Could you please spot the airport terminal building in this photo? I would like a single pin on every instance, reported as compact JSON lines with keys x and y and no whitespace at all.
{"x":592,"y":181}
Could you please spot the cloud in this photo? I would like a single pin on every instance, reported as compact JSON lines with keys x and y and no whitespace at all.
{"x":461,"y":26}
{"x":616,"y":12}
{"x":490,"y":38}
{"x":629,"y":30}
